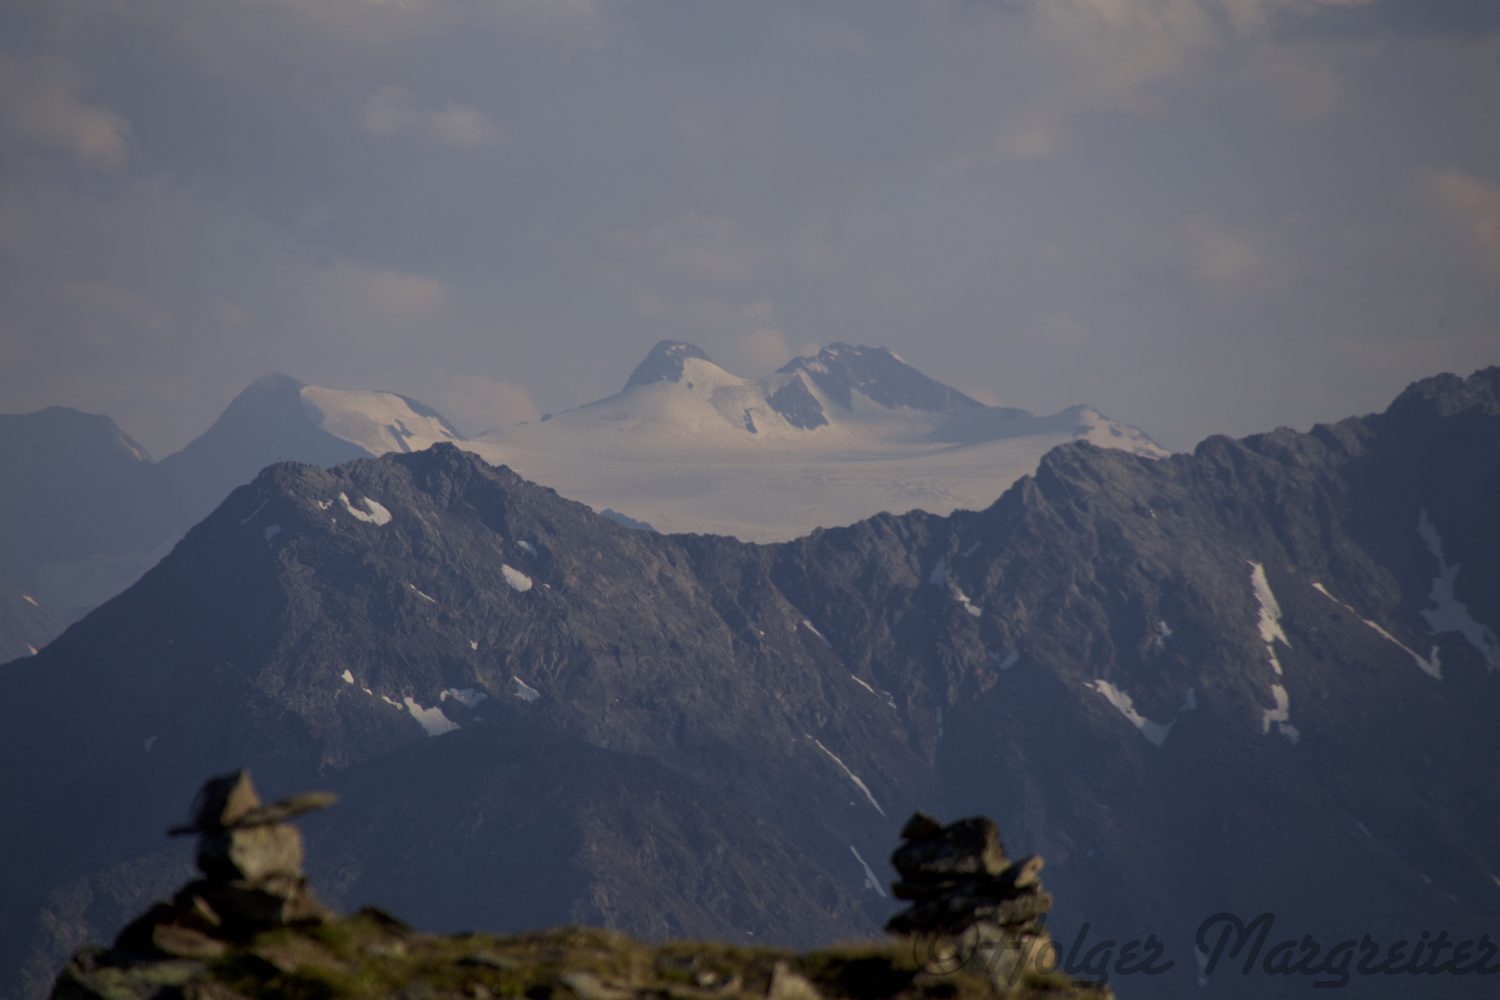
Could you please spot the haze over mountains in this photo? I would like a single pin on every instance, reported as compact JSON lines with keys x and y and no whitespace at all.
{"x":1262,"y":676}
{"x":685,"y":446}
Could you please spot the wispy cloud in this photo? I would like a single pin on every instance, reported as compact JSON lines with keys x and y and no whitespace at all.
{"x":40,"y":106}
{"x":392,"y":111}
{"x":1473,"y":206}
{"x":479,"y":403}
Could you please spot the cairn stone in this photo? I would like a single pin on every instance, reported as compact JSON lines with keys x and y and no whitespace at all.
{"x":970,"y":847}
{"x":963,"y":890}
{"x":251,"y":862}
{"x":251,"y":854}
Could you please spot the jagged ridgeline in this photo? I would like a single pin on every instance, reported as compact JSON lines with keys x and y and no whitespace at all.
{"x":249,"y":926}
{"x":1258,"y":677}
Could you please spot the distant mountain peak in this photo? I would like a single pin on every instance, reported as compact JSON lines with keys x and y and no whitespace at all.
{"x":272,"y":382}
{"x":665,"y":362}
{"x":878,"y":374}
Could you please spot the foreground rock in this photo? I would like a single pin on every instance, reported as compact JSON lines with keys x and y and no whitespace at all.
{"x":250,"y":927}
{"x":974,"y":907}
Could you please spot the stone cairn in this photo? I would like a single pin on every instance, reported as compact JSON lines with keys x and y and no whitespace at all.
{"x":970,"y":905}
{"x":250,"y":859}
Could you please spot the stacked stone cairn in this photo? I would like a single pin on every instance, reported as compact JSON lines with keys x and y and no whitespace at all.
{"x":971,"y":906}
{"x":250,"y":859}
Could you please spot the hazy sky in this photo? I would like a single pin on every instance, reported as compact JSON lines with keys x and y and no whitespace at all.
{"x":1199,"y":215}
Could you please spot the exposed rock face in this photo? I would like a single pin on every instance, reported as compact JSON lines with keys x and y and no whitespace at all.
{"x":664,"y":363}
{"x":840,"y":370}
{"x":1256,"y":678}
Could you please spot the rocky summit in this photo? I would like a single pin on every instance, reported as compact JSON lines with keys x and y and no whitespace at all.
{"x":249,"y":927}
{"x":1260,"y":678}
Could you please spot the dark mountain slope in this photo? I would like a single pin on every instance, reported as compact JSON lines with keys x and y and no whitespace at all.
{"x":78,"y":494}
{"x":1257,"y":677}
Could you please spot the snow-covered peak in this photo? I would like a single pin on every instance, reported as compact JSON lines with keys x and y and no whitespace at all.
{"x":841,"y":371}
{"x":377,"y":422}
{"x":278,"y":418}
{"x":665,"y":363}
{"x":826,"y":440}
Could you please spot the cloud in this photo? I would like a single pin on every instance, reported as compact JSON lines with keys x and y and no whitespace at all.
{"x":571,"y":22}
{"x":1220,"y":256}
{"x":1255,"y":15}
{"x":40,"y":106}
{"x":390,"y":111}
{"x":479,"y":403}
{"x":1134,"y":55}
{"x":1114,"y":48}
{"x":1473,"y":206}
{"x":693,"y":245}
{"x":359,"y":300}
{"x":766,"y":348}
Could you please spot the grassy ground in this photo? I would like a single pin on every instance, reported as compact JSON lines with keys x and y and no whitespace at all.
{"x":371,"y":955}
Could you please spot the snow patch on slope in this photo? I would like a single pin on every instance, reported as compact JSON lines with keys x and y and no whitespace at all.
{"x":871,"y":882}
{"x":814,"y":630}
{"x":882,"y":695}
{"x":1160,"y":635}
{"x":1008,"y":660}
{"x":1428,"y":665}
{"x":430,"y":719}
{"x":518,"y":581}
{"x":373,"y":513}
{"x":848,"y":774}
{"x":467,"y":697}
{"x":940,"y":576}
{"x":1156,"y":732}
{"x":522,"y":690}
{"x":1271,"y":632}
{"x":1448,"y":614}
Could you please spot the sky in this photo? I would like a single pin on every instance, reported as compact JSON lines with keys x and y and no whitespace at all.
{"x":1200,"y":216}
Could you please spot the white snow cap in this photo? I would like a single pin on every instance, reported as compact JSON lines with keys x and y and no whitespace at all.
{"x":378,"y":422}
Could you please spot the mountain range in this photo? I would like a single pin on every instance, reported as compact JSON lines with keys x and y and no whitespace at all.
{"x":684,"y":447}
{"x":826,"y":440}
{"x":1257,"y":678}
